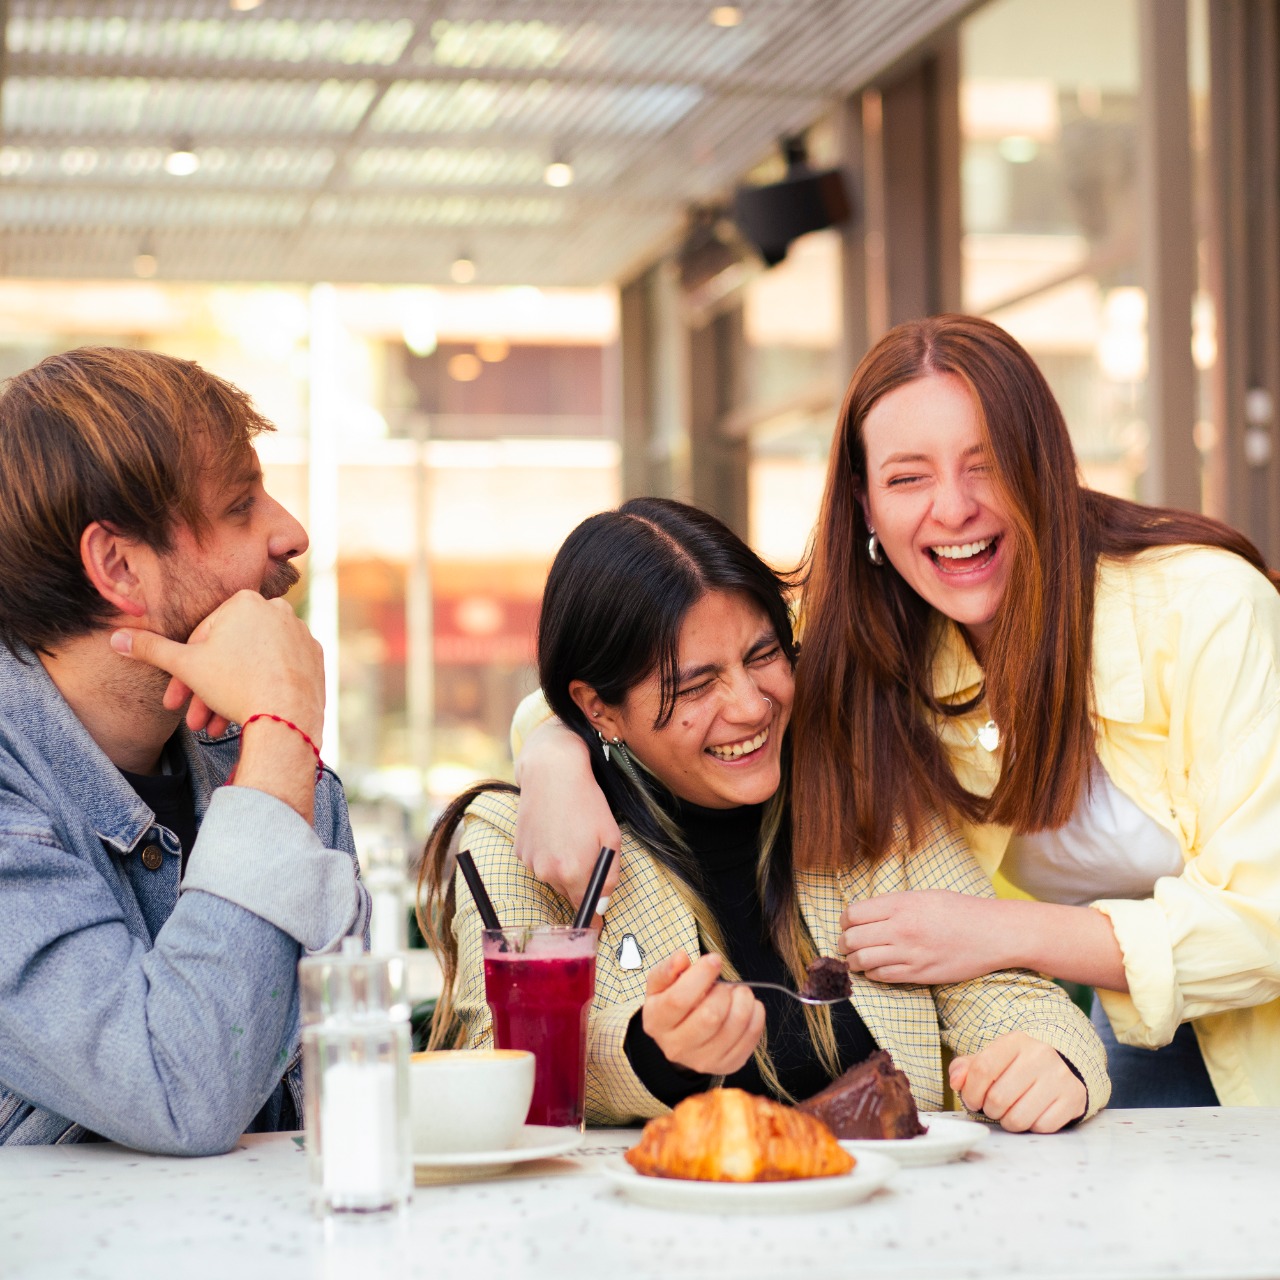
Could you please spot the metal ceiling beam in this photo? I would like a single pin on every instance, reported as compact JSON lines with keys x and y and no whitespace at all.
{"x":639,"y":12}
{"x":158,"y":190}
{"x":141,"y":67}
{"x":149,"y":137}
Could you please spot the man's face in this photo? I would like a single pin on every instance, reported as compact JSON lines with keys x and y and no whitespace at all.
{"x":248,"y":543}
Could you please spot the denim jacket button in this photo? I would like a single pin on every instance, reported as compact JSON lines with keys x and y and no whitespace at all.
{"x":153,"y":857}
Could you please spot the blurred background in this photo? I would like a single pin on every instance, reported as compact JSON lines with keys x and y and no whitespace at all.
{"x":486,"y":265}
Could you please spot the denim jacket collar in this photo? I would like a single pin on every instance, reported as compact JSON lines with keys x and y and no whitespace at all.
{"x":49,"y":731}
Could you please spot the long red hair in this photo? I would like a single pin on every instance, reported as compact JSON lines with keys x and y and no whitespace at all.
{"x":866,"y":752}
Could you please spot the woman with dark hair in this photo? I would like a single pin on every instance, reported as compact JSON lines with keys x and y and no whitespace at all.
{"x":665,"y":645}
{"x":1087,"y":689}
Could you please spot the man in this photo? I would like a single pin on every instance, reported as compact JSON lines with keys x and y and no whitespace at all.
{"x":153,"y":907}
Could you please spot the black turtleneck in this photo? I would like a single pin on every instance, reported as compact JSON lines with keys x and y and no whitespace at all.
{"x":726,"y":843}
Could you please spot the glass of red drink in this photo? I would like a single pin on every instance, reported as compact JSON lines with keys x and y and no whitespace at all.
{"x":539,"y":984}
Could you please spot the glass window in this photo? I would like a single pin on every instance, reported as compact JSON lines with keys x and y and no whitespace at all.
{"x":794,"y":381}
{"x":1049,"y":110}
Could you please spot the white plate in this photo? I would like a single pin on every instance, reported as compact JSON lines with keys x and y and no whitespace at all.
{"x":535,"y":1142}
{"x":797,"y":1196}
{"x":949,"y":1138}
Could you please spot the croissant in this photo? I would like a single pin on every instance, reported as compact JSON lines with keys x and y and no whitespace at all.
{"x":728,"y":1135}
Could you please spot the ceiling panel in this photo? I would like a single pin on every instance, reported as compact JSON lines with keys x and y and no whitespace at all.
{"x":375,"y":140}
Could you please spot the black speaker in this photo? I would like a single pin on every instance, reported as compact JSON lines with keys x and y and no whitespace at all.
{"x":771,"y":217}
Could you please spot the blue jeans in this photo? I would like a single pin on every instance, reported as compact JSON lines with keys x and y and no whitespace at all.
{"x":1173,"y":1076}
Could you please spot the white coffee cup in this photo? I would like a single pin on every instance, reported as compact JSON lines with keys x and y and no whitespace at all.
{"x":468,"y":1099}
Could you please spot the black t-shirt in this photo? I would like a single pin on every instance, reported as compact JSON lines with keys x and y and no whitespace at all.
{"x":726,"y":844}
{"x":169,"y":796}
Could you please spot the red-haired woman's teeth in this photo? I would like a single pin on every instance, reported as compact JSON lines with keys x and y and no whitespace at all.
{"x":964,"y":551}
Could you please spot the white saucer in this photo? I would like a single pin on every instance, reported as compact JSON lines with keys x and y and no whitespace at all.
{"x":948,"y":1138}
{"x":797,"y":1196}
{"x":534,"y":1142}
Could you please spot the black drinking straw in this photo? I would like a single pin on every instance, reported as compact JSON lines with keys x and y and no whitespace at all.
{"x":594,"y":886}
{"x":478,"y":892}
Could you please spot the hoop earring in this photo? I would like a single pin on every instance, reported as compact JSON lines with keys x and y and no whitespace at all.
{"x":874,"y":554}
{"x":606,"y":743}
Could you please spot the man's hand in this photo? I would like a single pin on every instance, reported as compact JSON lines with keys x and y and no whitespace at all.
{"x":929,"y":936}
{"x":249,"y":656}
{"x":563,"y":821}
{"x":1022,"y":1083}
{"x":698,"y":1022}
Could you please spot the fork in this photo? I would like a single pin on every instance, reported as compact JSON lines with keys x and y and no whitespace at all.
{"x":795,"y":995}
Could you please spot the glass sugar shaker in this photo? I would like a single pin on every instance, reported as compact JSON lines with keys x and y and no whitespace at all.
{"x":355,"y":1063}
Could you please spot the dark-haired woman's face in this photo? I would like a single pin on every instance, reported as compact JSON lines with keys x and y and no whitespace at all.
{"x":933,"y":502}
{"x":721,"y":747}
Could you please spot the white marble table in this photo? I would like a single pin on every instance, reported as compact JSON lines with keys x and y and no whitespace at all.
{"x":1131,"y":1194}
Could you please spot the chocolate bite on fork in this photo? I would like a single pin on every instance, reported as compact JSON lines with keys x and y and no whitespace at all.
{"x":827,"y":979}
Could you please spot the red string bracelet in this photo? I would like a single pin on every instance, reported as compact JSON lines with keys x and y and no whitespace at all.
{"x":302,"y":733}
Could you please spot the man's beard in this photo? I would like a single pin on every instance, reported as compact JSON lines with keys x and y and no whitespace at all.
{"x":191,"y":596}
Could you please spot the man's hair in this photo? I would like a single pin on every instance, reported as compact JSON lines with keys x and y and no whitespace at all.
{"x":119,"y":436}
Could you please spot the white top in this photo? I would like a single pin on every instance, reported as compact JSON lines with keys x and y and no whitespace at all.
{"x":1108,"y":849}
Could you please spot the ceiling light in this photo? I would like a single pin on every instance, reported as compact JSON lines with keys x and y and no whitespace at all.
{"x":559,"y":173}
{"x":726,"y":15}
{"x":465,"y":367}
{"x":243,"y":6}
{"x":182,"y":161}
{"x":463,"y":271}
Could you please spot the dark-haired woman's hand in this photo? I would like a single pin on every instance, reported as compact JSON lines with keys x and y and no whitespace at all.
{"x":563,"y":821}
{"x":697,"y":1021}
{"x":1020,"y":1082}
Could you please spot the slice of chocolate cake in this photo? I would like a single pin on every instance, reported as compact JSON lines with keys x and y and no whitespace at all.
{"x":827,"y":979}
{"x":871,"y":1100}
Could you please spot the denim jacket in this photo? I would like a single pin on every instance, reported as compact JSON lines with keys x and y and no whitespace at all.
{"x":158,"y":1015}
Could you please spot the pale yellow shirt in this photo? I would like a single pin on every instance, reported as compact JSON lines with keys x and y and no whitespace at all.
{"x":1186,"y":675}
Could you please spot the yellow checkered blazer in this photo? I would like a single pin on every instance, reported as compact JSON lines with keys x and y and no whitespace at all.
{"x":912,"y":1022}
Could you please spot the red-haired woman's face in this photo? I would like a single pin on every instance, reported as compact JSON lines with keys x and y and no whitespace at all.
{"x":932,"y":500}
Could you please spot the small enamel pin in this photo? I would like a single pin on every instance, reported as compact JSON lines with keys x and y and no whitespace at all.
{"x":630,"y":953}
